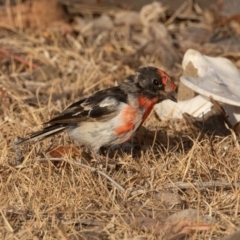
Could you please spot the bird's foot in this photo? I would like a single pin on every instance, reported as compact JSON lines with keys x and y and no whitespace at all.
{"x":128,"y":148}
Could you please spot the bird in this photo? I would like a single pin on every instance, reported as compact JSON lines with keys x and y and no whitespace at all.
{"x":111,"y":116}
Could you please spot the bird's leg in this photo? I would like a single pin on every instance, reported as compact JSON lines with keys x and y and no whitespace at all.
{"x":100,"y":158}
{"x":96,"y":156}
{"x":106,"y":156}
{"x":127,"y":147}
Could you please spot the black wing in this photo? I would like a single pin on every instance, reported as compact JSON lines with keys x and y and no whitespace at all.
{"x":100,"y":106}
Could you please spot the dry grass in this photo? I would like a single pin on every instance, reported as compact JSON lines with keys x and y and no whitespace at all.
{"x":42,"y":201}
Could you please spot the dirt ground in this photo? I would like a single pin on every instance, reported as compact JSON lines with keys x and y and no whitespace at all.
{"x":179,"y":182}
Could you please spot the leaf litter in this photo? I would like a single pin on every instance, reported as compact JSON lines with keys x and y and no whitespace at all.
{"x":183,"y":183}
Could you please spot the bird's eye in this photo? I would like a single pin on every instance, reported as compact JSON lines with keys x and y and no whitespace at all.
{"x":156,"y":82}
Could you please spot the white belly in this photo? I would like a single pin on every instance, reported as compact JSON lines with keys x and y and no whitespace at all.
{"x":93,"y":134}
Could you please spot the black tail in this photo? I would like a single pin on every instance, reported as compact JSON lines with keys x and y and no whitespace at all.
{"x":44,"y":133}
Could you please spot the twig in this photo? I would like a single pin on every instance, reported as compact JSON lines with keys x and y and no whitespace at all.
{"x":86,"y":166}
{"x":91,"y":222}
{"x":18,"y":152}
{"x":8,"y":225}
{"x":176,"y":13}
{"x":14,"y":75}
{"x":211,"y":184}
{"x":17,"y":58}
{"x":189,"y":156}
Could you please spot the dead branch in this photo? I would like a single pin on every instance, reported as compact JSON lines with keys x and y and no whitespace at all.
{"x":117,"y":185}
{"x":210,"y":184}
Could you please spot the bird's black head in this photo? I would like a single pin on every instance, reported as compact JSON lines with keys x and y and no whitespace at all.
{"x":152,"y":82}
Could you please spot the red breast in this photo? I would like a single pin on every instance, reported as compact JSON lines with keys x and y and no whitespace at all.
{"x":129,"y":115}
{"x":147,"y":104}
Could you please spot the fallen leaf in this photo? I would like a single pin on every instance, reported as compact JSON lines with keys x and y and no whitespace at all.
{"x":185,"y":221}
{"x":62,"y":151}
{"x":176,"y":225}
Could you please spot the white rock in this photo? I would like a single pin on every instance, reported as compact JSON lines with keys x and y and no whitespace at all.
{"x":217,"y":77}
{"x":169,"y":109}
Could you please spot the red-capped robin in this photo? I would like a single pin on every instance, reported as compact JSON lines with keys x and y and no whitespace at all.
{"x":112,"y":116}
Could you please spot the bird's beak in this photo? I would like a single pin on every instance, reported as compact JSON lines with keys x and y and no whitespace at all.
{"x":172,"y":97}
